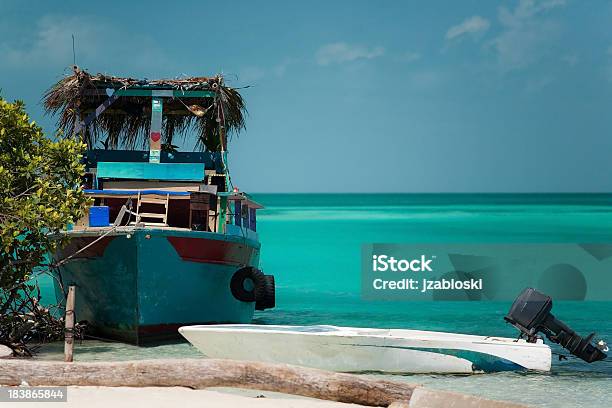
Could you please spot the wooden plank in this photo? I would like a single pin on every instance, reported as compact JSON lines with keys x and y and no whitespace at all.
{"x":176,"y":93}
{"x":152,"y":200}
{"x":152,"y":215}
{"x":120,"y":111}
{"x":97,"y":155}
{"x":156,"y":224}
{"x":151,"y":185}
{"x":199,"y":206}
{"x":194,"y":94}
{"x":222,"y":211}
{"x":168,"y":93}
{"x":134,"y":195}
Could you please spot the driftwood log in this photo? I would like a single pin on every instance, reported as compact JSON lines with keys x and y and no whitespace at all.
{"x":5,"y":351}
{"x":204,"y":373}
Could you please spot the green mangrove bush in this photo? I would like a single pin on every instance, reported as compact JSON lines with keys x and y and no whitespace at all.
{"x":39,"y":195}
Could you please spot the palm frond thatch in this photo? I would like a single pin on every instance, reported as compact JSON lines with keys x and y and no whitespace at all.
{"x":126,"y":123}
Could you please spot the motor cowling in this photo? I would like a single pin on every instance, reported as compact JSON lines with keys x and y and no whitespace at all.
{"x":530,"y":314}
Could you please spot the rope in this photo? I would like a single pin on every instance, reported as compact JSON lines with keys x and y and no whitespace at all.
{"x":112,"y":229}
{"x":63,"y":261}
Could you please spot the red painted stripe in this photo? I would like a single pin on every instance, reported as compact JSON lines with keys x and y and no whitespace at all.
{"x":211,"y":251}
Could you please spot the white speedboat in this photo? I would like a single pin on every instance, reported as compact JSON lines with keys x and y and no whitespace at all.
{"x":350,"y":349}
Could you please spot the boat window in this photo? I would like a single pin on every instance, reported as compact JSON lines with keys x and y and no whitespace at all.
{"x":237,"y":212}
{"x":244,"y":215}
{"x":253,"y":219}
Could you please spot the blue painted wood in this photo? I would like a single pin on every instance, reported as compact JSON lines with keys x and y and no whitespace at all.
{"x":155,"y":134}
{"x":151,"y":171}
{"x":92,"y":157}
{"x":135,"y":192}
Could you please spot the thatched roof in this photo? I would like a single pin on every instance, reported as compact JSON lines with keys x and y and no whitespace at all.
{"x":126,"y":123}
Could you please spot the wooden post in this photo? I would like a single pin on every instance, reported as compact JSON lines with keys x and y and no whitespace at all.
{"x":157,"y":106}
{"x":69,"y":333}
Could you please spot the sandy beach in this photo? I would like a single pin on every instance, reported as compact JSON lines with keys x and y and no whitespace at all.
{"x":222,"y":397}
{"x":161,"y":397}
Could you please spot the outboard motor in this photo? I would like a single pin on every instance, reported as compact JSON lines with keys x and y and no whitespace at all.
{"x":530,"y":313}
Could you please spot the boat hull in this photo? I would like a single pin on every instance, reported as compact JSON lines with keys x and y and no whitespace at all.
{"x":140,"y":286}
{"x":368,"y":350}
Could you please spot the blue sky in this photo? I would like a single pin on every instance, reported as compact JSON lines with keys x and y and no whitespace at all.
{"x":351,"y":96}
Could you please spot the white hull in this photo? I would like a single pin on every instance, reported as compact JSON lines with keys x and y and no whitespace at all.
{"x":349,"y":349}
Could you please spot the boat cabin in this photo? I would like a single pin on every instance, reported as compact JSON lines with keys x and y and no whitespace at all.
{"x":118,"y":118}
{"x":185,"y":190}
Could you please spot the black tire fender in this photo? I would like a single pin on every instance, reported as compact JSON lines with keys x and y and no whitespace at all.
{"x":265,"y":295}
{"x":239,"y":279}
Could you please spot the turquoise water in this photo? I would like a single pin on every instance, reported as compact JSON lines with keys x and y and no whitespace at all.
{"x":312,"y":244}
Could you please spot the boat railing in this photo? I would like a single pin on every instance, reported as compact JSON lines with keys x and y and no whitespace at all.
{"x":229,"y":213}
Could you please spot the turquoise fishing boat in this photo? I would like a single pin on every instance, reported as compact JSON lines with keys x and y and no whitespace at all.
{"x":168,"y":241}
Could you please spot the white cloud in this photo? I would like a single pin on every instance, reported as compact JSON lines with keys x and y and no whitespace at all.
{"x":342,"y":52}
{"x":526,"y":35}
{"x":472,"y":25}
{"x":529,"y":8}
{"x":50,"y":43}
